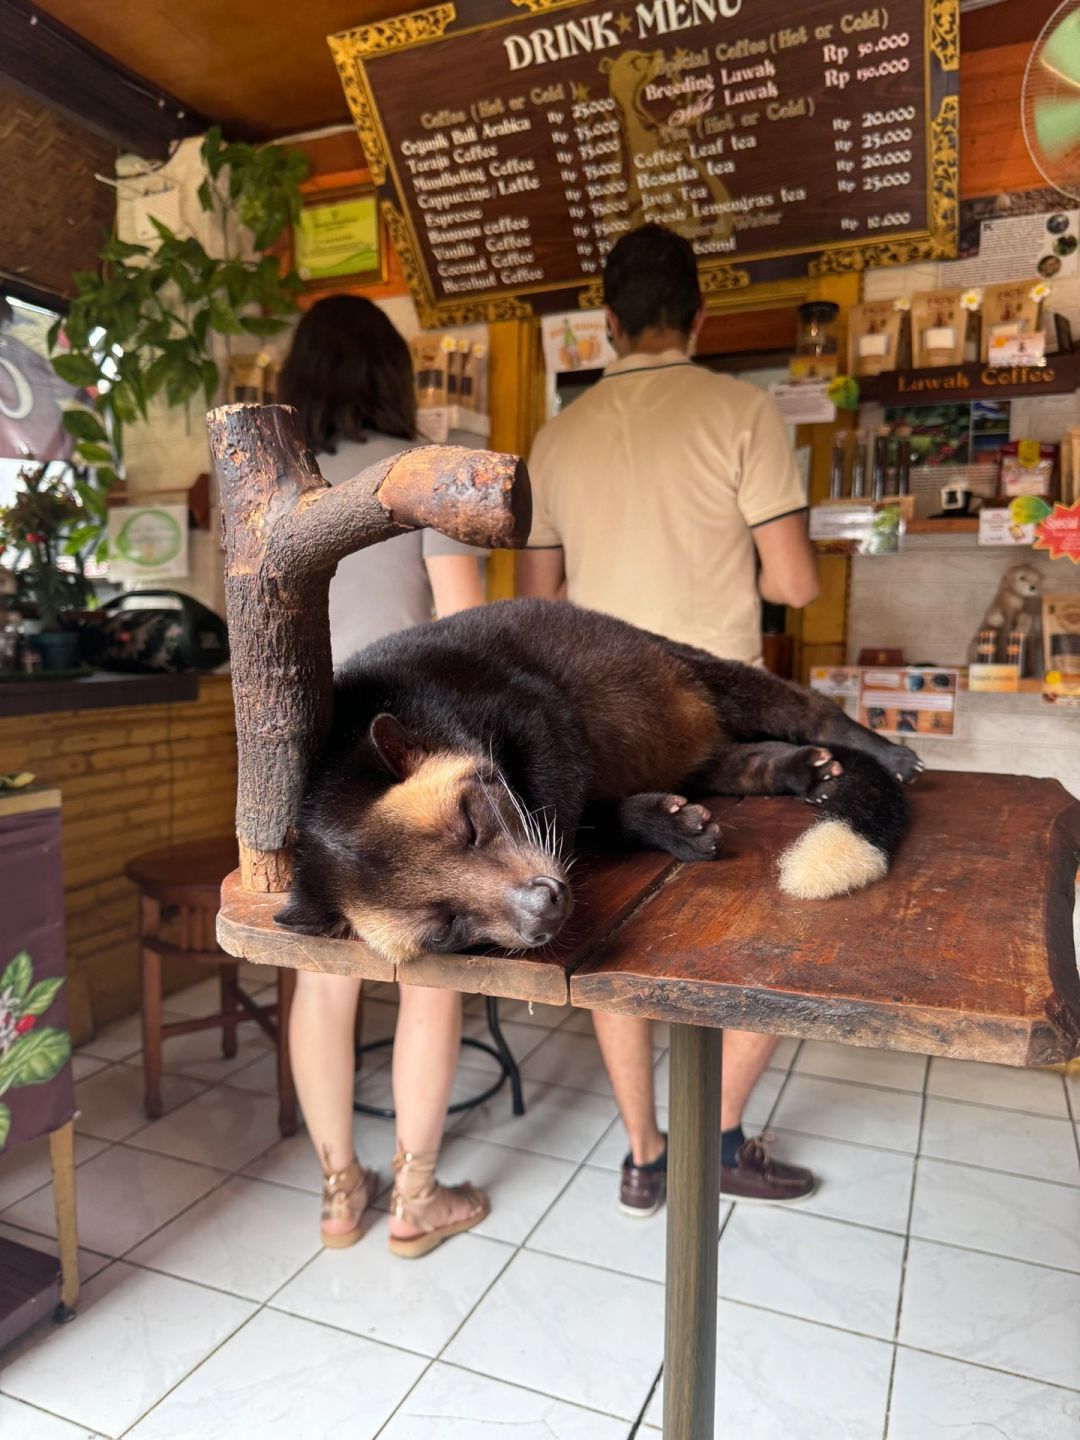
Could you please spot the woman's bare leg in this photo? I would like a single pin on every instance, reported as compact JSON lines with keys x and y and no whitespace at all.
{"x":427,"y":1044}
{"x":322,"y":1051}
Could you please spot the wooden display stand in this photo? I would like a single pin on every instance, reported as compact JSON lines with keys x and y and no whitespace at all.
{"x":965,"y":949}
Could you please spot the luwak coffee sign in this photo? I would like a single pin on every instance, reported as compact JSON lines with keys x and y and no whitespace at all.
{"x":514,"y":141}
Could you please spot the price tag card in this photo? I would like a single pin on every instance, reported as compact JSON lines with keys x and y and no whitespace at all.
{"x":1018,"y":349}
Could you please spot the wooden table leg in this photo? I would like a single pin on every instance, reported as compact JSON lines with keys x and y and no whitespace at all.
{"x":286,"y":1088}
{"x":62,"y":1156}
{"x":693,"y":1225}
{"x":151,"y":1006}
{"x":227,"y":975}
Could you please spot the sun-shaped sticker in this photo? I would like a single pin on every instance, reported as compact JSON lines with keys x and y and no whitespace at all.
{"x":1059,"y":533}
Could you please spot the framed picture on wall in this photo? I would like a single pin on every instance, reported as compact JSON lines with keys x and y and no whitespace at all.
{"x":338,"y":240}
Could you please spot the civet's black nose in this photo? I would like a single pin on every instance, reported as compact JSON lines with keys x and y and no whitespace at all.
{"x":539,"y":908}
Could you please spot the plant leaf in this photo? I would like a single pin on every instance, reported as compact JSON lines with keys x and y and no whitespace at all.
{"x":224,"y":318}
{"x":42,"y":996}
{"x":35,"y":1058}
{"x":211,"y":151}
{"x":200,"y":327}
{"x":93,"y":501}
{"x":121,"y":250}
{"x":84,"y":425}
{"x":5,"y":1125}
{"x":210,"y":380}
{"x":163,"y":230}
{"x":91,"y":453}
{"x":18,"y":974}
{"x":262,"y":324}
{"x":80,"y":537}
{"x":76,"y":369}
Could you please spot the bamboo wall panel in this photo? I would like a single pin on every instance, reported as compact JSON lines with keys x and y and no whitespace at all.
{"x":55,"y":216}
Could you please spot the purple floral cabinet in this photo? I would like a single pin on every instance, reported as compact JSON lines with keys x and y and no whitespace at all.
{"x":36,"y":1094}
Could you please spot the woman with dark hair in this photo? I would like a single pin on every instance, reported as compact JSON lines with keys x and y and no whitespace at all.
{"x":349,"y":375}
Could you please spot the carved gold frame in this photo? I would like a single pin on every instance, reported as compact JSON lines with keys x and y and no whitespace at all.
{"x":726,"y":287}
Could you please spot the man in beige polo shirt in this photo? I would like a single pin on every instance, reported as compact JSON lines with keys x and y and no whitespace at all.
{"x":668,"y":496}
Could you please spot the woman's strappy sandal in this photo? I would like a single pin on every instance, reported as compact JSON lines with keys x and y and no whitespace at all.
{"x":346,"y":1194}
{"x":422,"y":1202}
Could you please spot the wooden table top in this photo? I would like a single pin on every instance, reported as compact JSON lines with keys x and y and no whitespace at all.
{"x":606,"y":890}
{"x":965,"y":949}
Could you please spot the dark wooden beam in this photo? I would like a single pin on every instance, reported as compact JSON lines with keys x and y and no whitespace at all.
{"x":45,"y":60}
{"x":16,"y":289}
{"x":1010,"y":22}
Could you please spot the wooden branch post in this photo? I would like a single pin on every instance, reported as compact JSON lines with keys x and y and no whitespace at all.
{"x":285,"y":531}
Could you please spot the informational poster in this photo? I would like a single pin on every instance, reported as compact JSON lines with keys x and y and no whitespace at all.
{"x":148,"y":542}
{"x":805,"y":403}
{"x":576,"y":341}
{"x":908,"y":701}
{"x":515,"y":141}
{"x":1047,"y":245}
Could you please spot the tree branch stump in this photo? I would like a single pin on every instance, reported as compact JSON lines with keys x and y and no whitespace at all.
{"x":285,"y":530}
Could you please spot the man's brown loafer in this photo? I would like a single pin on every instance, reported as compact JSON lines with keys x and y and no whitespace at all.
{"x":642,"y":1188}
{"x":755,"y":1176}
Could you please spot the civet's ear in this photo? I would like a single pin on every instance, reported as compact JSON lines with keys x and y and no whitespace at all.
{"x":398,"y":752}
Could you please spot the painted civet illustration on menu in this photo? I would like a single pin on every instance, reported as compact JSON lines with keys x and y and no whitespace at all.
{"x":465,"y":754}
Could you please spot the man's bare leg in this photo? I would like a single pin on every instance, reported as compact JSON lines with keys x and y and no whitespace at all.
{"x":746,"y":1055}
{"x":626,"y":1045}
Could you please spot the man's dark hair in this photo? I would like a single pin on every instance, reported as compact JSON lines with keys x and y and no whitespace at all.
{"x":349,"y":372}
{"x":651,"y":281}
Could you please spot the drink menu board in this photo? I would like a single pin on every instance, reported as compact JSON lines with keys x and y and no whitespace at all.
{"x":514,"y":141}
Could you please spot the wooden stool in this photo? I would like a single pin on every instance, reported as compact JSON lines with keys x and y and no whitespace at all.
{"x":185,"y":881}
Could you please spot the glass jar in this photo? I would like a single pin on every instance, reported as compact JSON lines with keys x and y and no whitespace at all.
{"x":818,"y":328}
{"x":817,"y":342}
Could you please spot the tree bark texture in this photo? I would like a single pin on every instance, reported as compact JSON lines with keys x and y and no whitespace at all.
{"x":285,"y":530}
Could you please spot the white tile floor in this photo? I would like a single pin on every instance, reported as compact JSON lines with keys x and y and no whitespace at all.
{"x":931,"y":1286}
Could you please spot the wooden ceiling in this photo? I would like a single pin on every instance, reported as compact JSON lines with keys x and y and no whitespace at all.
{"x":260,"y":67}
{"x":263,"y":68}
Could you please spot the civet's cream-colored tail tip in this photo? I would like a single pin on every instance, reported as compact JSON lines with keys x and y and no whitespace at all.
{"x":830,"y":859}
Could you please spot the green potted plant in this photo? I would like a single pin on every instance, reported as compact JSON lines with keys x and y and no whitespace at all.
{"x":36,"y":529}
{"x":143,"y":325}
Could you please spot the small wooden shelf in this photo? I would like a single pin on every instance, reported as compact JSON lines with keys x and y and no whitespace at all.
{"x":961,"y":525}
